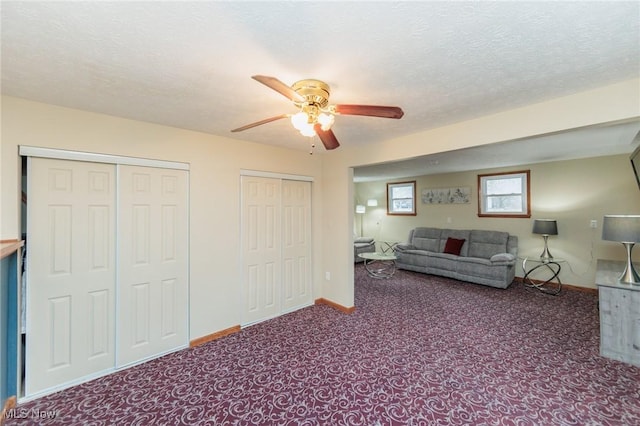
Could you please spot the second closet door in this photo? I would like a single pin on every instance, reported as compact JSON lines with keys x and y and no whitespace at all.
{"x":152,"y":262}
{"x":276,"y":247}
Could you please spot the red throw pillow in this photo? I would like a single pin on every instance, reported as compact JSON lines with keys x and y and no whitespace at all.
{"x":453,"y":246}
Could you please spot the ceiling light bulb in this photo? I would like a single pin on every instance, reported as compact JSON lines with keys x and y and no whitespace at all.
{"x":308,"y":131}
{"x":300,"y":120}
{"x":326,"y":121}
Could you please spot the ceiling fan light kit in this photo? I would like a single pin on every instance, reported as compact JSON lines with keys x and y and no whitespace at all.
{"x":315,"y":115}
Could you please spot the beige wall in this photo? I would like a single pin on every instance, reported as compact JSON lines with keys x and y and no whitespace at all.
{"x":214,"y":189}
{"x":608,"y":104}
{"x":572,"y":192}
{"x":216,"y":161}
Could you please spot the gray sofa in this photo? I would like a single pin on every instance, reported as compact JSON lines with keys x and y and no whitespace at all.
{"x":485,"y":257}
{"x":362,"y":245}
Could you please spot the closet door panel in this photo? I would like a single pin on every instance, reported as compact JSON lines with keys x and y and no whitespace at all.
{"x":261,"y":244}
{"x":153,"y":262}
{"x":71,"y":270}
{"x":296,"y":244}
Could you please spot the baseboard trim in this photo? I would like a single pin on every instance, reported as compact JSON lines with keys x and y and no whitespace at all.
{"x":565,"y":286}
{"x":211,"y":337}
{"x":578,"y":288}
{"x":8,"y":405}
{"x":344,"y":309}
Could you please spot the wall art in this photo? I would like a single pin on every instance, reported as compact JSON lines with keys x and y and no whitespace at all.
{"x":453,"y":195}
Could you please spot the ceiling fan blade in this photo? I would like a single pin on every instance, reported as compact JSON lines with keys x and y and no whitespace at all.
{"x":370,"y":110}
{"x":259,"y":123}
{"x":279,"y":87}
{"x":327,"y":137}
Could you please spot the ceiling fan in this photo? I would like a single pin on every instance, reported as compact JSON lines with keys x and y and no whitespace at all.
{"x":315,"y":115}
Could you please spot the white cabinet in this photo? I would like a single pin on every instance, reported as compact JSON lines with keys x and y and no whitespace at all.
{"x":619,"y":314}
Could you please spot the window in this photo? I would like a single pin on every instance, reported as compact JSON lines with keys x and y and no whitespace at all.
{"x":504,"y":195}
{"x":401,"y":198}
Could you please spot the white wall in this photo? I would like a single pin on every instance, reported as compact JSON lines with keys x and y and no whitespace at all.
{"x":215,"y":189}
{"x":572,"y":192}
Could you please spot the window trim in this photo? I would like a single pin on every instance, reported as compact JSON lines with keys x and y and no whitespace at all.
{"x":390,"y":186}
{"x":526,"y":192}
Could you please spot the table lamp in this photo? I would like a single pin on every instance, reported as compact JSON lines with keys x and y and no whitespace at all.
{"x":626,"y":230}
{"x":545,"y":227}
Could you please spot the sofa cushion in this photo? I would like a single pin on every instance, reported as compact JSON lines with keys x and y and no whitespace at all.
{"x":426,"y":239}
{"x":485,"y":244}
{"x":417,"y":258}
{"x":442,"y":262}
{"x":453,"y":246}
{"x":481,"y":268}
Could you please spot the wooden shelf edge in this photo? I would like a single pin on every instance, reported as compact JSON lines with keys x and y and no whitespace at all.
{"x":8,"y":405}
{"x":8,"y":247}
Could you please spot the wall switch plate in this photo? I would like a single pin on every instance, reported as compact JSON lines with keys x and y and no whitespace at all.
{"x":327,"y":276}
{"x":594,"y":223}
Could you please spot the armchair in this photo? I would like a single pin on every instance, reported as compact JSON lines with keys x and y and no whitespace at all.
{"x":362,"y":245}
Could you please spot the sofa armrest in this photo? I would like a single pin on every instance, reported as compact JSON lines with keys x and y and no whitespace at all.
{"x":503,"y":259}
{"x":362,"y":240}
{"x":403,"y":247}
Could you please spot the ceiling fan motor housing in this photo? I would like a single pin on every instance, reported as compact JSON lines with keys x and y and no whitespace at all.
{"x":315,"y":92}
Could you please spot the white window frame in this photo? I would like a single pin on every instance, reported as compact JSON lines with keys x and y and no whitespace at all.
{"x":391,"y":210}
{"x":525,"y":207}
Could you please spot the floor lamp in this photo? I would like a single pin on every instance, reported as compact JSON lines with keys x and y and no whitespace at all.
{"x":360,"y":209}
{"x":372,"y":202}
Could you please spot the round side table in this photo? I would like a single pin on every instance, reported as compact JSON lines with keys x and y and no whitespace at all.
{"x":551,"y":285}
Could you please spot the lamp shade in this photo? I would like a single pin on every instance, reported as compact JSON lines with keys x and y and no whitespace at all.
{"x":545,"y":227}
{"x":621,"y":228}
{"x":372,"y":202}
{"x":360,"y":209}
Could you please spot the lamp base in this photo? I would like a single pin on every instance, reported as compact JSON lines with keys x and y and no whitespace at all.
{"x":546,"y":257}
{"x":629,"y":276}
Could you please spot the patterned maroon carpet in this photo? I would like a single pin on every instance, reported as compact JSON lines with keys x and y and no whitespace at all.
{"x":418,"y":350}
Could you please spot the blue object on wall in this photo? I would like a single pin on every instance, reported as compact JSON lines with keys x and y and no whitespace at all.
{"x":8,"y":326}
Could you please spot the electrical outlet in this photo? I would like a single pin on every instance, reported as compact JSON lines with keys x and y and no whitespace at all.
{"x":327,"y":276}
{"x":594,"y":223}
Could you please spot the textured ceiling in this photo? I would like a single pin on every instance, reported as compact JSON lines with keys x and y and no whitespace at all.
{"x":188,"y":64}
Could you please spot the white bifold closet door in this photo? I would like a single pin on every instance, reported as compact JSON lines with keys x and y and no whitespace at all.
{"x":108,"y":268}
{"x":276,"y":247}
